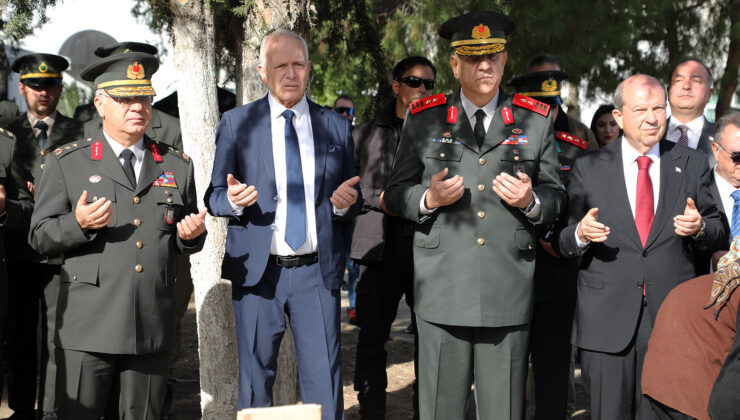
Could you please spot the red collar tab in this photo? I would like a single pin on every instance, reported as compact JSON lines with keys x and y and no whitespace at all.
{"x":155,"y":152}
{"x":428,"y":102}
{"x":96,"y":152}
{"x":570,"y":138}
{"x":507,"y":115}
{"x":531,"y":104}
{"x":452,"y":114}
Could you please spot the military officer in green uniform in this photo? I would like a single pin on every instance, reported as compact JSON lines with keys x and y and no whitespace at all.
{"x":33,"y":278}
{"x":554,"y":276}
{"x":8,"y":112}
{"x":118,"y":205}
{"x":477,"y":170}
{"x":14,"y":199}
{"x":163,"y":127}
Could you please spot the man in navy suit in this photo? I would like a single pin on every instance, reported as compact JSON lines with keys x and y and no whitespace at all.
{"x":283,"y":173}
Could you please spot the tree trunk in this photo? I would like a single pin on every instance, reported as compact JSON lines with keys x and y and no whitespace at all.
{"x":264,"y":17}
{"x":194,"y":58}
{"x":728,"y":82}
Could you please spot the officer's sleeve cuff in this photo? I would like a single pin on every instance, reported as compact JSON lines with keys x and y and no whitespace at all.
{"x":422,"y":208}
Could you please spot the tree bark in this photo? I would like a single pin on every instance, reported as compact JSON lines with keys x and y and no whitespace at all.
{"x":728,"y":82}
{"x":194,"y":58}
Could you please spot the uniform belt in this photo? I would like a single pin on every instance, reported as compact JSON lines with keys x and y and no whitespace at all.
{"x":294,"y":260}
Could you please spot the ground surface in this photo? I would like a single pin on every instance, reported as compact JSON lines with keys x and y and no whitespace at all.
{"x":400,"y":372}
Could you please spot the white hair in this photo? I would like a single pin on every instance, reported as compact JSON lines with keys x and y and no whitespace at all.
{"x":102,"y":93}
{"x":283,"y":32}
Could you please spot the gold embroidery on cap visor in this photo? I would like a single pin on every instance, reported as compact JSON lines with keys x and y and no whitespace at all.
{"x":479,"y":49}
{"x":128,"y":87}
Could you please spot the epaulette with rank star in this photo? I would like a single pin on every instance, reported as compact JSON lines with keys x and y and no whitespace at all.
{"x":172,"y":150}
{"x":531,"y":104}
{"x":428,"y":102}
{"x":62,"y":151}
{"x":570,"y":138}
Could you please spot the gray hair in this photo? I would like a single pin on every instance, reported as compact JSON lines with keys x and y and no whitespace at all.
{"x":279,"y":32}
{"x":733,"y":118}
{"x":102,"y":93}
{"x":618,"y":93}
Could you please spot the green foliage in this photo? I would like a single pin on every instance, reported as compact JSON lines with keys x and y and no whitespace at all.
{"x":73,"y":96}
{"x":20,"y":22}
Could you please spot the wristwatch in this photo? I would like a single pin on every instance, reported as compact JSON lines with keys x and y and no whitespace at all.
{"x":700,"y":233}
{"x":530,"y":206}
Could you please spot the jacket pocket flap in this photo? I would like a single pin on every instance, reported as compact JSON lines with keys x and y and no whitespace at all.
{"x":445,"y":151}
{"x":591,"y":279}
{"x":524,"y":240}
{"x":427,"y":240}
{"x":80,"y":272}
{"x":165,"y":195}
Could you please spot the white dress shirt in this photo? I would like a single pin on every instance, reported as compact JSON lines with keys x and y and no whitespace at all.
{"x":137,"y":148}
{"x":48,"y":120}
{"x":629,"y":164}
{"x":693,"y":132}
{"x":725,"y":192}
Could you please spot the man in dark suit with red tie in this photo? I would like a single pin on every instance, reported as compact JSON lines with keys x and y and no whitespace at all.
{"x":636,"y":223}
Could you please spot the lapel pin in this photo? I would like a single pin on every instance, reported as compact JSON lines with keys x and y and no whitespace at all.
{"x":678,"y":169}
{"x":94,"y":179}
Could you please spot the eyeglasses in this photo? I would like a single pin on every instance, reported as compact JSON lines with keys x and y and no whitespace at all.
{"x":415,"y":82}
{"x":345,"y":110}
{"x":735,"y":156}
{"x":127,"y":101}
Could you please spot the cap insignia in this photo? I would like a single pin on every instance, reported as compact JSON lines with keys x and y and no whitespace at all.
{"x":135,"y":71}
{"x":481,"y":32}
{"x":126,"y":51}
{"x":43,"y":67}
{"x":549,"y":85}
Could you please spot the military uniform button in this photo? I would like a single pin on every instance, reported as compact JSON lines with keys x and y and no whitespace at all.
{"x":43,"y":153}
{"x":442,"y":155}
{"x":481,"y":187}
{"x":482,"y":161}
{"x":516,"y":157}
{"x":530,"y":247}
{"x":139,"y":244}
{"x":139,"y":268}
{"x":42,"y":166}
{"x":3,"y":259}
{"x":74,"y":278}
{"x":169,"y":200}
{"x":95,"y":198}
{"x":137,"y":200}
{"x":481,"y":241}
{"x":481,"y":214}
{"x":137,"y":221}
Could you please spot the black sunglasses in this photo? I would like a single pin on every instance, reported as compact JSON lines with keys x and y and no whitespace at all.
{"x":415,"y":82}
{"x":735,"y":156}
{"x":344,"y":109}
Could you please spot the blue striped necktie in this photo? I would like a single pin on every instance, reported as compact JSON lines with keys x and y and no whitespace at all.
{"x":735,"y":226}
{"x":295,"y":226}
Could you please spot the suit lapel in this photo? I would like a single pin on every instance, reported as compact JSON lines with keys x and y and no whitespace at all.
{"x":616,"y":188}
{"x":150,"y":169}
{"x":109,"y":164}
{"x":61,"y":132}
{"x":320,"y":146}
{"x":672,"y":167}
{"x":263,"y":136}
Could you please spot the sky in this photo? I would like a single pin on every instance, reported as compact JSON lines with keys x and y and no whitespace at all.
{"x":71,"y":16}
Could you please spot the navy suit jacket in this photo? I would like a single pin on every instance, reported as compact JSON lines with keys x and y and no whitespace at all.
{"x":244,"y":149}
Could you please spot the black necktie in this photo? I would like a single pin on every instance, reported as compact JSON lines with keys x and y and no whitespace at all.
{"x":128,"y":166}
{"x":41,"y":139}
{"x":479,"y":130}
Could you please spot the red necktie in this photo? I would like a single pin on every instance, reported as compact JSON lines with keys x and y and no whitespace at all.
{"x":644,"y":200}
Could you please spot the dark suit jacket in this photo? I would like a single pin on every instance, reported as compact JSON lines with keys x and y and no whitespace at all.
{"x":724,"y":403}
{"x":704,"y":258}
{"x":29,"y":163}
{"x":613,"y":272}
{"x":117,"y":291}
{"x":706,"y":138}
{"x":244,"y":149}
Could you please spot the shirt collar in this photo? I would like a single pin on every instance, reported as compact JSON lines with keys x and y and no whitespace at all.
{"x":695,"y":126}
{"x":630,"y":154}
{"x":276,"y":109}
{"x":48,"y":120}
{"x":725,"y":188}
{"x":137,"y":148}
{"x":471,"y":108}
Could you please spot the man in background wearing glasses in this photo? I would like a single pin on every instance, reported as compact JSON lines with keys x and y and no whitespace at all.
{"x":381,"y":242}
{"x":118,"y":206}
{"x":345,"y":106}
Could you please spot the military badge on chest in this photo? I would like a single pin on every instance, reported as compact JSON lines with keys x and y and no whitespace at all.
{"x":169,"y":214}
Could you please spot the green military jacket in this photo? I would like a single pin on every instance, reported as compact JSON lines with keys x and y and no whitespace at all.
{"x":474,"y":259}
{"x":162,"y":127}
{"x":117,"y":283}
{"x":17,"y":200}
{"x":29,"y":164}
